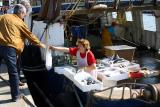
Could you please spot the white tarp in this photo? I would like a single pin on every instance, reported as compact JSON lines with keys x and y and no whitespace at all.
{"x":55,"y":34}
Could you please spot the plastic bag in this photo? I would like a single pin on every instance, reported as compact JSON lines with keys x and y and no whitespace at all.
{"x":48,"y":59}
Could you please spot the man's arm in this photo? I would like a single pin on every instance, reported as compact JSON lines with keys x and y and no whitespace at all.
{"x":31,"y":37}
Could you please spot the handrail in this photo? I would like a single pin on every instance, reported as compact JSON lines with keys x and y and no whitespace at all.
{"x":27,"y":101}
{"x":124,"y":85}
{"x":120,"y":85}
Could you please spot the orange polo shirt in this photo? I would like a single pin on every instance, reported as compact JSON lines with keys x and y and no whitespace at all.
{"x":13,"y":32}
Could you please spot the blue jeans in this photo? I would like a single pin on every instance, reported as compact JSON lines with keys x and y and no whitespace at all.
{"x":10,"y":57}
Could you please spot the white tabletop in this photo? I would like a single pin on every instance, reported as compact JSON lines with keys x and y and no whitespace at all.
{"x":119,"y":47}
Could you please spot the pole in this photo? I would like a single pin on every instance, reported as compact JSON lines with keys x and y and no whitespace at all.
{"x":17,"y":1}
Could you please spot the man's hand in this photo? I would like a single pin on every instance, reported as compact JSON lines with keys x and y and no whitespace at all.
{"x":42,"y":45}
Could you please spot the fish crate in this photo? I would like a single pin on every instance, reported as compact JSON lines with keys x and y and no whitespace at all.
{"x":85,"y":82}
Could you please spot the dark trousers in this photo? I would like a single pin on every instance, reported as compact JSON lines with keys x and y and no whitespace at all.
{"x":10,"y":57}
{"x":19,"y":66}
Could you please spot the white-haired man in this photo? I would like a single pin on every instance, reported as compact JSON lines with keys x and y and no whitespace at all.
{"x":27,"y":20}
{"x":13,"y":34}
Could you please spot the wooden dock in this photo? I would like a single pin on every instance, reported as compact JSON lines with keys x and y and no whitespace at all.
{"x":5,"y":96}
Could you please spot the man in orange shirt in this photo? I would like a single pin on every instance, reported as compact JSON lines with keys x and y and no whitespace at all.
{"x":13,"y":32}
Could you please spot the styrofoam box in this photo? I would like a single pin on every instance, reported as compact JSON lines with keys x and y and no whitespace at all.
{"x":108,"y":83}
{"x":113,"y":79}
{"x":70,"y":72}
{"x":113,"y":75}
{"x":125,"y":63}
{"x":79,"y":77}
{"x":59,"y":70}
{"x":133,"y":66}
{"x":112,"y":71}
{"x":118,"y":76}
{"x":63,"y":70}
{"x":107,"y":61}
{"x":153,"y":73}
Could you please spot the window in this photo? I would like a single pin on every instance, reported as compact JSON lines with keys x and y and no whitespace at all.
{"x":149,"y":22}
{"x":36,"y":2}
{"x":128,"y":16}
{"x":147,"y":1}
{"x":114,"y":15}
{"x":1,"y":3}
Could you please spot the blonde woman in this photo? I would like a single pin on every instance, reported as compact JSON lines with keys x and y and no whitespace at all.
{"x":85,"y":58}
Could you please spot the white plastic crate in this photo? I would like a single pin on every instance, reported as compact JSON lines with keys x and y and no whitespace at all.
{"x":109,"y":62}
{"x":150,"y":73}
{"x":153,"y":73}
{"x":80,"y":81}
{"x":113,"y":79}
{"x":119,"y":64}
{"x":63,"y":69}
{"x":59,"y":70}
{"x":133,"y":66}
{"x":70,"y":72}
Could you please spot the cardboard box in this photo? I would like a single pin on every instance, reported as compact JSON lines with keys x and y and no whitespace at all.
{"x":123,"y":51}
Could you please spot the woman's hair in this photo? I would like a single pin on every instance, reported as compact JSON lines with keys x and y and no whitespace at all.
{"x":84,"y":42}
{"x":19,"y":8}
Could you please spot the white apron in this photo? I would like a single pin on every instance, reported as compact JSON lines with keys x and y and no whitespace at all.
{"x":82,"y":62}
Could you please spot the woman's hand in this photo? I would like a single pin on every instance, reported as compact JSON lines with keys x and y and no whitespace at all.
{"x":52,"y":48}
{"x":83,"y":68}
{"x":58,"y":48}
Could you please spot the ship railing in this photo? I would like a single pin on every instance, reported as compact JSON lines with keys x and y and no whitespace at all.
{"x":146,"y":93}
